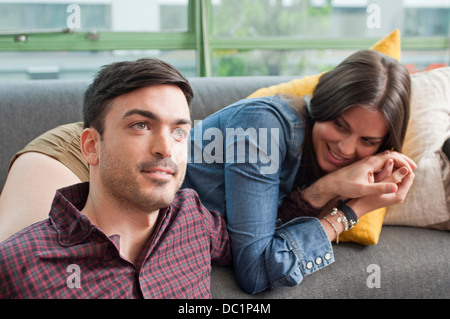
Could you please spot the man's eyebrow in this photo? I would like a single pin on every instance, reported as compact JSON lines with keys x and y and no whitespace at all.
{"x":152,"y":116}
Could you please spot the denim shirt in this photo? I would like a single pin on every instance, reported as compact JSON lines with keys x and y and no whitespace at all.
{"x":242,"y":162}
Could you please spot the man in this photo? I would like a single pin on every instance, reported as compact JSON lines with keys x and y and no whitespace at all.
{"x":130,"y":232}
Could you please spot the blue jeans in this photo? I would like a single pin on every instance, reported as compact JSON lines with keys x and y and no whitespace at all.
{"x":242,"y":162}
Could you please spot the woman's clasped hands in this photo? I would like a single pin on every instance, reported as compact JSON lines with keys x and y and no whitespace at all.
{"x":397,"y":176}
{"x":373,"y":182}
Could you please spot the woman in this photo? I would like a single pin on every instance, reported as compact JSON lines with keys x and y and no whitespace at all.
{"x":325,"y":149}
{"x":248,"y":157}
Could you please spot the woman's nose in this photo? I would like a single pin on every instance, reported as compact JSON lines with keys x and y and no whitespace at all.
{"x":347,"y":146}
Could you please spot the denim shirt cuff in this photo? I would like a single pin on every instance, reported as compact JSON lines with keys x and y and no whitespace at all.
{"x":310,"y":244}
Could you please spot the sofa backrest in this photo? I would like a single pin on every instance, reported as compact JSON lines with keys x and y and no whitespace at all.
{"x":30,"y":108}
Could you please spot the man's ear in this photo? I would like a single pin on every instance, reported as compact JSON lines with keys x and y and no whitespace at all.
{"x":90,"y":145}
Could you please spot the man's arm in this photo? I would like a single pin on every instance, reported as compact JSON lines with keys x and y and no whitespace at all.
{"x":216,"y":228}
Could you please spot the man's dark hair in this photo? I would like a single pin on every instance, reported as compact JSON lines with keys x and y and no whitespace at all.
{"x":120,"y":78}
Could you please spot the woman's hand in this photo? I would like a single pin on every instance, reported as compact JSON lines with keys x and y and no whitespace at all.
{"x":390,"y":164}
{"x":372,"y":175}
{"x":402,"y":177}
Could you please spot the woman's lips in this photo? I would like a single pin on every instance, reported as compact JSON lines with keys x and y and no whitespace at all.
{"x":335,"y":158}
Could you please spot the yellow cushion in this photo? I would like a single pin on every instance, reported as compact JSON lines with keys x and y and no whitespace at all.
{"x":303,"y":86}
{"x":367,"y":231}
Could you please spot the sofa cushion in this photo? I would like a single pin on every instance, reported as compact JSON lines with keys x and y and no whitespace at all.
{"x":30,"y":108}
{"x":426,"y":204}
{"x":406,"y":263}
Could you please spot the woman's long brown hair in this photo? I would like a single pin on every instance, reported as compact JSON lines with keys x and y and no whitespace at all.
{"x":368,"y":79}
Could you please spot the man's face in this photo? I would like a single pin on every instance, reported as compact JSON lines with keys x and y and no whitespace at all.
{"x":143,"y":153}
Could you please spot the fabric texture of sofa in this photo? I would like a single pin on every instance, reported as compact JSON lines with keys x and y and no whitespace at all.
{"x":407,"y":262}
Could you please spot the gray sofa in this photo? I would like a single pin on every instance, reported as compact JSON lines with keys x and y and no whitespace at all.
{"x":407,"y":262}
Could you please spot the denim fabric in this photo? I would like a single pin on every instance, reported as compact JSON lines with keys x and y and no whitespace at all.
{"x":242,"y":162}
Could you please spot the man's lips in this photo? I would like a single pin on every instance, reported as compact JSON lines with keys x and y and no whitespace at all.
{"x":160,"y":175}
{"x":163,"y":168}
{"x":157,"y":170}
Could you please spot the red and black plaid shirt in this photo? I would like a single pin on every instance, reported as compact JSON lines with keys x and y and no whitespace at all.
{"x":66,"y":256}
{"x":294,"y":206}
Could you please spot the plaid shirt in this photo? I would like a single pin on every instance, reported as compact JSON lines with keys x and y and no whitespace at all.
{"x":295,"y":206}
{"x":66,"y":256}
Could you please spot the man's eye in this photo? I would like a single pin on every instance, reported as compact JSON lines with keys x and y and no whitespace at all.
{"x":140,"y":126}
{"x":179,"y":134}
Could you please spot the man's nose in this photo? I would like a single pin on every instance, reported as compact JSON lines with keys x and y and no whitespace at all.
{"x":161,"y":144}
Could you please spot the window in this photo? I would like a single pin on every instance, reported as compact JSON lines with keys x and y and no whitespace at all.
{"x":70,"y":39}
{"x":59,"y":39}
{"x":292,"y":37}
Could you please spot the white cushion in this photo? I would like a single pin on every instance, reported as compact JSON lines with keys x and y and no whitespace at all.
{"x":426,"y":203}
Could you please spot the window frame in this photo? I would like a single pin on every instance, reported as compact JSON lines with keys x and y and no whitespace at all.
{"x":196,"y":38}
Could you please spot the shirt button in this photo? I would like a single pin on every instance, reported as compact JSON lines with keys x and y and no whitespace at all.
{"x":318,"y":260}
{"x":327,"y":256}
{"x":309,"y":265}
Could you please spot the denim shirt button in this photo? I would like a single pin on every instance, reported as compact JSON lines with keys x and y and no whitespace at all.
{"x":318,"y":260}
{"x":309,"y":265}
{"x":327,"y":256}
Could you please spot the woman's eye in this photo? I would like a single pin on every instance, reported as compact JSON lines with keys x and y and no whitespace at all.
{"x":369,"y":142}
{"x":179,"y":134}
{"x":338,"y":125}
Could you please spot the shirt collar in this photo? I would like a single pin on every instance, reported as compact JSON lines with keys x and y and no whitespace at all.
{"x":72,"y":226}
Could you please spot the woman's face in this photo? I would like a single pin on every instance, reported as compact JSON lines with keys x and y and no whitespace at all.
{"x":355,"y":134}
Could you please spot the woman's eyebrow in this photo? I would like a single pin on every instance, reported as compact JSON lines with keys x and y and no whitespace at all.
{"x":374,"y":138}
{"x":367,"y":137}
